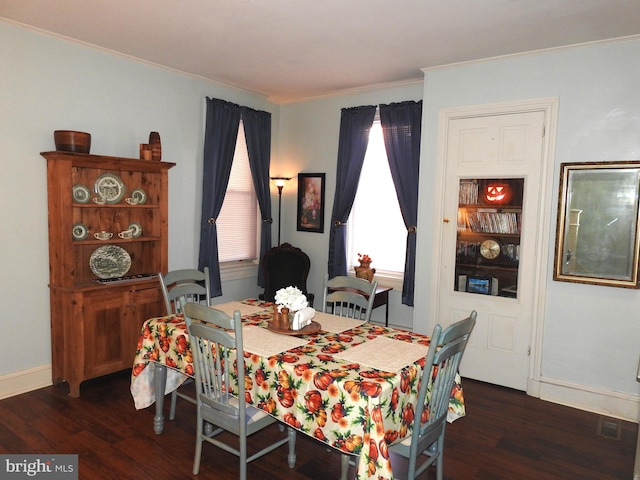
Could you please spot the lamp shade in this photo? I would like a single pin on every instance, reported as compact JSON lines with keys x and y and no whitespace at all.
{"x":280,"y":181}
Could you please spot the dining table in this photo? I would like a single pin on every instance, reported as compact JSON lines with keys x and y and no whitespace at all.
{"x":350,"y":385}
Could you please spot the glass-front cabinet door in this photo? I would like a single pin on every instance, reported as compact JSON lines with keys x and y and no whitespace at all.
{"x":488,"y":236}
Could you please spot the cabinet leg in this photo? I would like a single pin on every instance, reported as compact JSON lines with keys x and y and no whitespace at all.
{"x":74,"y":389}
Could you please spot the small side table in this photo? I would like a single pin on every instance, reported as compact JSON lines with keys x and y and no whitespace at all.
{"x":382,"y":298}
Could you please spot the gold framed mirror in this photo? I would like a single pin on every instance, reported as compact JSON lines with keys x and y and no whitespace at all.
{"x":597,"y":238}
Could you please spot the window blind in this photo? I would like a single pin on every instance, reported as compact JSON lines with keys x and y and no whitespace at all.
{"x":238,"y":220}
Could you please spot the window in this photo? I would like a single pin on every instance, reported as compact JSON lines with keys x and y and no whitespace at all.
{"x":238,"y":220}
{"x":375,"y":225}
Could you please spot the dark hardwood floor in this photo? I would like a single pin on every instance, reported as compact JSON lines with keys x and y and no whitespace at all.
{"x":506,"y":435}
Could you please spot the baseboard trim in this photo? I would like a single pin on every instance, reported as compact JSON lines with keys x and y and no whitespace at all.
{"x":591,"y":399}
{"x":25,"y":381}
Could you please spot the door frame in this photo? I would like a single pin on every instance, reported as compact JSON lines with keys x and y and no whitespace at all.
{"x":544,"y":240}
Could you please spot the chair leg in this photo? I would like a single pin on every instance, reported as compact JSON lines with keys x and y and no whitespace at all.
{"x":172,"y":409}
{"x":440,"y":460}
{"x":344,"y":466}
{"x":198,"y":454}
{"x":242,"y":450}
{"x":291,"y":458}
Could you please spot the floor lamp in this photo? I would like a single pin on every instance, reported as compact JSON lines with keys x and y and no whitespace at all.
{"x":280,"y":181}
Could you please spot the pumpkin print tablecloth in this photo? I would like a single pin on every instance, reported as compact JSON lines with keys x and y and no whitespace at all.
{"x":353,"y":407}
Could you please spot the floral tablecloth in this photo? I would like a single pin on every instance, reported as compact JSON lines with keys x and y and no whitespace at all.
{"x":351,"y":407}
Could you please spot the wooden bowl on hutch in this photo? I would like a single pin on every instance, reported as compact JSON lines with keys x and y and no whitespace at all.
{"x":71,"y":141}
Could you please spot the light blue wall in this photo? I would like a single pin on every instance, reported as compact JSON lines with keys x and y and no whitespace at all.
{"x":49,"y":84}
{"x":591,"y":333}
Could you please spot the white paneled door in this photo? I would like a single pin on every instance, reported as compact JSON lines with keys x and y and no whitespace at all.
{"x":509,"y":145}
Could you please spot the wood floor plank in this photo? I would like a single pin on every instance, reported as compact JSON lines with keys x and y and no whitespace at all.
{"x":506,"y":435}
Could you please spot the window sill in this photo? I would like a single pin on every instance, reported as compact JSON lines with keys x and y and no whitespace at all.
{"x":387,"y":279}
{"x":238,"y":270}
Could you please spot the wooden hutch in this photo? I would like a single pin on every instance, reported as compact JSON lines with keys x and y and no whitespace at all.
{"x":103,"y":287}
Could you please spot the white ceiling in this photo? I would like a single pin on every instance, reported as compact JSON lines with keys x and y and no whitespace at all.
{"x":290,"y":50}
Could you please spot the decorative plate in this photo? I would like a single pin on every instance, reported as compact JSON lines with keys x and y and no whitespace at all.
{"x":110,"y":187}
{"x":140,"y":195}
{"x":81,"y":194}
{"x":80,"y":231}
{"x":137,"y":229}
{"x":110,"y":261}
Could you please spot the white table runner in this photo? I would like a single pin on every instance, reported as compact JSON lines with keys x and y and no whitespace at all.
{"x":266,"y":343}
{"x":335,"y":324}
{"x":244,"y":309}
{"x":385,"y":354}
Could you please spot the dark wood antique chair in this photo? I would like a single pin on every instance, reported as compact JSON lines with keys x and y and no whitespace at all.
{"x":285,"y":266}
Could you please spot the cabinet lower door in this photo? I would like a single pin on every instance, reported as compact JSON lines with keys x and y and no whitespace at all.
{"x":107,"y":344}
{"x":112,"y":325}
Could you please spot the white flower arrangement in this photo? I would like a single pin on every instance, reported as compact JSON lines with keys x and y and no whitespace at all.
{"x":291,"y":298}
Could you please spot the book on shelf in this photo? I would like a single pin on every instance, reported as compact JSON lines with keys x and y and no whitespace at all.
{"x":468,"y":193}
{"x":492,"y":222}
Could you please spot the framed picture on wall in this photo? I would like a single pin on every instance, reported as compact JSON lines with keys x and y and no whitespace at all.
{"x":311,"y":202}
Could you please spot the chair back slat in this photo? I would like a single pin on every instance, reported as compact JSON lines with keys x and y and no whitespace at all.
{"x":458,"y":329}
{"x":213,"y":337}
{"x":180,"y":286}
{"x":347,"y":304}
{"x":436,"y":386}
{"x":349,"y":297}
{"x":446,"y":363}
{"x":191,"y":293}
{"x":211,"y":345}
{"x":189,"y":284}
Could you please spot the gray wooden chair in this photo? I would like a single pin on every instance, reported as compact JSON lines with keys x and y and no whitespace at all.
{"x":445,"y":359}
{"x":211,"y":346}
{"x":349,"y":297}
{"x":188,"y":283}
{"x":191,"y":285}
{"x":428,"y":438}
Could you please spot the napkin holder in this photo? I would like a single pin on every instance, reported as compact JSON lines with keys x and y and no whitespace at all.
{"x":302,"y":318}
